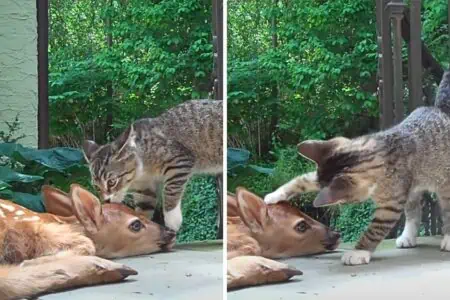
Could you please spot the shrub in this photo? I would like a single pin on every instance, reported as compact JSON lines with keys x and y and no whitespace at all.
{"x":352,"y":220}
{"x":199,"y":210}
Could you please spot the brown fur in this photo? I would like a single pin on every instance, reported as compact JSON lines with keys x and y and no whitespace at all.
{"x":256,"y":230}
{"x":37,"y":241}
{"x":18,"y":282}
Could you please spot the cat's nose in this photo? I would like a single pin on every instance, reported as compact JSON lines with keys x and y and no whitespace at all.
{"x":106,"y":198}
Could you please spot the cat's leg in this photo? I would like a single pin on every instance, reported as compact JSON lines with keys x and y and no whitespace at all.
{"x":386,"y":216}
{"x":413,"y":214}
{"x":173,"y":193}
{"x":300,"y":184}
{"x":145,"y":201}
{"x":444,"y":202}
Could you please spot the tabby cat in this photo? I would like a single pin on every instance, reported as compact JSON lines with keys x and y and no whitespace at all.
{"x":160,"y":152}
{"x":393,"y":167}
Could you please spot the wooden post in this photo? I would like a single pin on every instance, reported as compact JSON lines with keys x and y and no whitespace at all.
{"x":396,"y":12}
{"x":218,"y":91}
{"x":42,"y":49}
{"x":379,"y":8}
{"x":386,"y":48}
{"x":415,"y":56}
{"x":220,"y":217}
{"x":218,"y":61}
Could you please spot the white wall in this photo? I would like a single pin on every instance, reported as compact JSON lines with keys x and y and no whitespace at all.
{"x":18,"y":66}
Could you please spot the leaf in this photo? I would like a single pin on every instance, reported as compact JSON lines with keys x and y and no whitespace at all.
{"x":4,"y":185}
{"x":29,"y":201}
{"x":237,"y":157}
{"x":55,"y":158}
{"x":262,"y":170}
{"x":8,"y":175}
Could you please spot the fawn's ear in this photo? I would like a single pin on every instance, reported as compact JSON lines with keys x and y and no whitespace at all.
{"x":252,"y":210}
{"x":232,"y":206}
{"x":56,"y":202}
{"x":87,"y":208}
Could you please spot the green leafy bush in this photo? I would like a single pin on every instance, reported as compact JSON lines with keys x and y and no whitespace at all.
{"x":353,"y":219}
{"x":199,"y":210}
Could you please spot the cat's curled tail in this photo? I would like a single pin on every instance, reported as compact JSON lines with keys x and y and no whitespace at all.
{"x":443,"y":94}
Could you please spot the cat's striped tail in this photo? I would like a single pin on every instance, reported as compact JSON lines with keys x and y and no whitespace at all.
{"x":443,"y":94}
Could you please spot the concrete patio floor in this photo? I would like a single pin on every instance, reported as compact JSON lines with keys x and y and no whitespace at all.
{"x":192,"y":271}
{"x":419,"y":273}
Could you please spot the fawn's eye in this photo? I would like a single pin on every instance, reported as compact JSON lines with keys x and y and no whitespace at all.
{"x":112,"y":182}
{"x":136,"y":226}
{"x":301,"y":226}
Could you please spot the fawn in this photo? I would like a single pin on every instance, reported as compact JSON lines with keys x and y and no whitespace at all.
{"x":62,"y":248}
{"x":258,"y":231}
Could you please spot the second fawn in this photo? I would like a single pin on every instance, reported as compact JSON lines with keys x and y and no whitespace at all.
{"x":66,"y":239}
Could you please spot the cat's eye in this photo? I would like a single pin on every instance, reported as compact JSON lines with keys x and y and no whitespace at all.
{"x":136,"y":226}
{"x":301,"y":226}
{"x":112,"y":182}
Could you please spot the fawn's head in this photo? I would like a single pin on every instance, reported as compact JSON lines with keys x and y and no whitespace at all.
{"x":115,"y":229}
{"x":347,"y":169}
{"x":113,"y":166}
{"x":281,"y":229}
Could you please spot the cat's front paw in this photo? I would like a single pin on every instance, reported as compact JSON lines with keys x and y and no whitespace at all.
{"x":406,"y":241}
{"x":275,"y":197}
{"x":445,"y":244}
{"x":356,"y":257}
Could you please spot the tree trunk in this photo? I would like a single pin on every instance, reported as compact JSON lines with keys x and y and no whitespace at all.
{"x":109,"y":86}
{"x":274,"y":111}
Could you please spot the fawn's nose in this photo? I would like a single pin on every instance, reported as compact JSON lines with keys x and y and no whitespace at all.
{"x":167,"y":235}
{"x":332,"y":240}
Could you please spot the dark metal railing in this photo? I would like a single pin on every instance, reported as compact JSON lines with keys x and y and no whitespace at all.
{"x":397,"y":23}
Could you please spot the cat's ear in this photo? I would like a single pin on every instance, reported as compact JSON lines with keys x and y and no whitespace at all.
{"x":331,"y":194}
{"x":314,"y":150}
{"x":89,"y":148}
{"x":127,"y":138}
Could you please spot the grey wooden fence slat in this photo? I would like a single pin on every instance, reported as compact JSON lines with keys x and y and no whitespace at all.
{"x":415,"y":53}
{"x":395,"y":9}
{"x":379,"y":8}
{"x":386,"y":46}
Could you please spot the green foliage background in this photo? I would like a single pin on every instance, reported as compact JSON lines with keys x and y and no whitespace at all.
{"x":112,"y":62}
{"x":126,"y":58}
{"x":199,"y":210}
{"x":305,"y":69}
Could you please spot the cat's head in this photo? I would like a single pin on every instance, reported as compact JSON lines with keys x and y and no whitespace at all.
{"x":347,"y":169}
{"x":113,"y":166}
